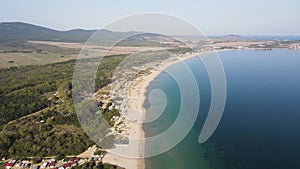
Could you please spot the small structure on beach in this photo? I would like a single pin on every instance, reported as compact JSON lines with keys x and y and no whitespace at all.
{"x":122,"y":141}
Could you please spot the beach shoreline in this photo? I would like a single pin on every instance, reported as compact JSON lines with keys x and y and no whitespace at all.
{"x":136,"y":98}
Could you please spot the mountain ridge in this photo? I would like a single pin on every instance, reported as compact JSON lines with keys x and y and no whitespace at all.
{"x":20,"y":31}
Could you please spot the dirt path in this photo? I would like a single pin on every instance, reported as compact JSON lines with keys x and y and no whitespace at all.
{"x":32,"y":114}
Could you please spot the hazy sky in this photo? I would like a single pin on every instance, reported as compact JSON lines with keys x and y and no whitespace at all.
{"x":210,"y":16}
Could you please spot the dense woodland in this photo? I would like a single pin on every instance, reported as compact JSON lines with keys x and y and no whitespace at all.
{"x":92,"y":165}
{"x":28,"y":89}
{"x":24,"y":90}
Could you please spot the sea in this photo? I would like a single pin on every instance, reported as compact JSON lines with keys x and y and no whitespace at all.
{"x":260,"y":126}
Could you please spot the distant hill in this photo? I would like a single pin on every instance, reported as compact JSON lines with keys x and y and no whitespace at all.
{"x":231,"y":36}
{"x":20,"y":32}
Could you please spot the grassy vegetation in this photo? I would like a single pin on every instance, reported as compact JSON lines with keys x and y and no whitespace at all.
{"x":11,"y":59}
{"x":141,"y":43}
{"x":20,"y":54}
{"x":2,"y":165}
{"x":180,"y":50}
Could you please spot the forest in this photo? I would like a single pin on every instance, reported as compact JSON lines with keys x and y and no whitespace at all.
{"x":55,"y":130}
{"x":24,"y":90}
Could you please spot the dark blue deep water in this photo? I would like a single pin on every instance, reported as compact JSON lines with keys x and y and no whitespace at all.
{"x":260,"y":127}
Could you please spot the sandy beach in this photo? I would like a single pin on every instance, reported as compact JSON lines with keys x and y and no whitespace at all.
{"x":134,"y":127}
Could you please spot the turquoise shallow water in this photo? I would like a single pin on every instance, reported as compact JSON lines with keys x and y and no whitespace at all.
{"x":260,"y":128}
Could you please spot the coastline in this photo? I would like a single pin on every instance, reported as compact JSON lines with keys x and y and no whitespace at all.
{"x":136,"y":99}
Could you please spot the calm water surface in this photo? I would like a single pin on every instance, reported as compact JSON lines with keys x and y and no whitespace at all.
{"x":260,"y":128}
